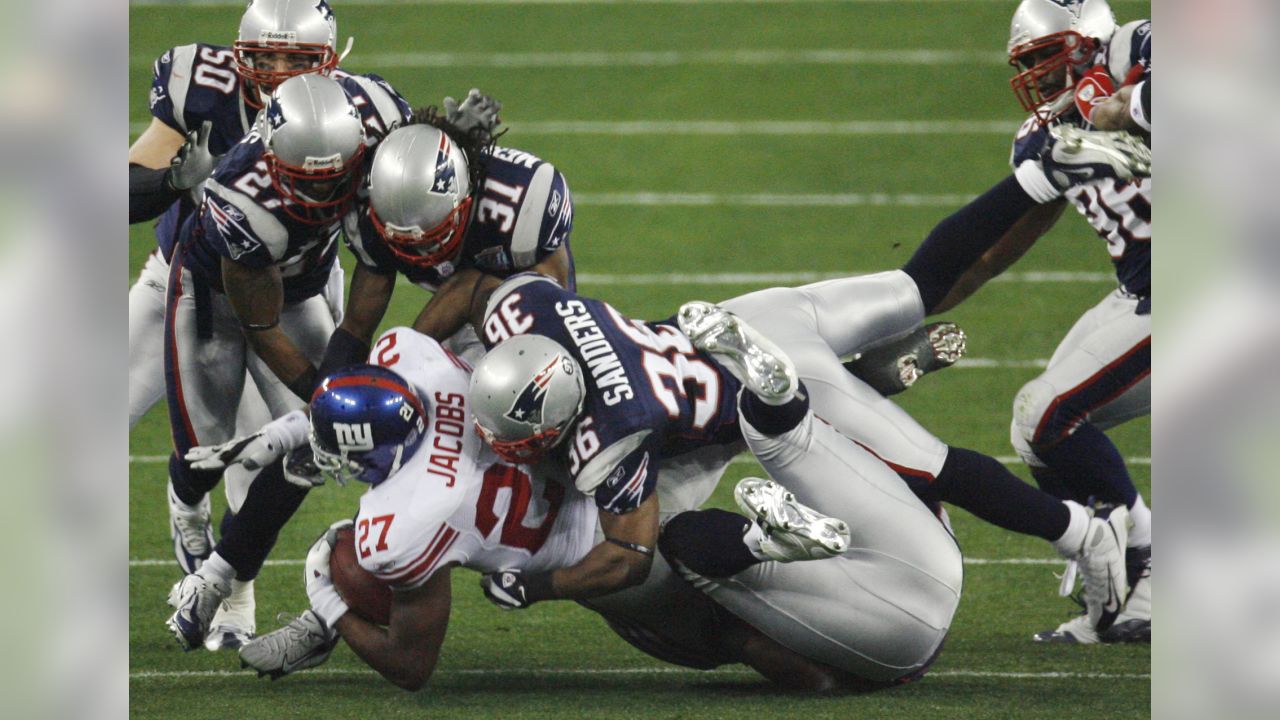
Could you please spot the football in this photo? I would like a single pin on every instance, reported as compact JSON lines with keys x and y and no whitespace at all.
{"x":365,"y":594}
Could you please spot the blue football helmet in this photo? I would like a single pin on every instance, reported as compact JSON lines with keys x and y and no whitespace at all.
{"x":365,"y":421}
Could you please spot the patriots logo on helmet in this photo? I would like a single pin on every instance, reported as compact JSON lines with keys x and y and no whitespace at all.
{"x":446,"y":174}
{"x":1073,"y":6}
{"x":325,"y":11}
{"x":528,"y":406}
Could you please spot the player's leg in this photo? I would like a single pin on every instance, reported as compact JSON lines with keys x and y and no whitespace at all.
{"x":1098,"y":377}
{"x":204,"y":374}
{"x":969,"y":479}
{"x":146,"y":337}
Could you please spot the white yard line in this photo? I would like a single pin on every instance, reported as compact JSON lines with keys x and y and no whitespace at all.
{"x":749,"y":57}
{"x":589,"y":672}
{"x":748,"y":127}
{"x":780,"y":278}
{"x":654,"y":199}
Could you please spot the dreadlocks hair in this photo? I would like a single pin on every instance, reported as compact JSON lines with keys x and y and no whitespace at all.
{"x":476,"y":144}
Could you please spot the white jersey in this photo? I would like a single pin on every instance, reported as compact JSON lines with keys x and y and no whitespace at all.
{"x":454,"y":501}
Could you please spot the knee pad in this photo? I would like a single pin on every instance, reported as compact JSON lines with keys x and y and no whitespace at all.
{"x":1030,"y":406}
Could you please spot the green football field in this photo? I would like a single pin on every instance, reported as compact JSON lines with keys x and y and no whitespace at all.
{"x":712,"y":148}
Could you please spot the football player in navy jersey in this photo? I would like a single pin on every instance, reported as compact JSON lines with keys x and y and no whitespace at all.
{"x":1077,"y":71}
{"x":645,"y":416}
{"x":246,"y":283}
{"x":203,"y":100}
{"x":445,"y":208}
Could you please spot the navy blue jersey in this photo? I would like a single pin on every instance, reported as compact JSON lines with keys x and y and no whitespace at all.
{"x":523,"y":213}
{"x":649,"y":394}
{"x":1120,"y":212}
{"x":192,"y":84}
{"x":243,"y":218}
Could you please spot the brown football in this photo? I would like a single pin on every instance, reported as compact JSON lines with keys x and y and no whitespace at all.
{"x":365,"y":594}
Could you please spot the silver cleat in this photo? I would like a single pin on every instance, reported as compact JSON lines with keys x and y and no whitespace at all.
{"x":792,"y":530}
{"x":763,"y":368}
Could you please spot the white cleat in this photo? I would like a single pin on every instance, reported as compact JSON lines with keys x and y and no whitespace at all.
{"x":304,"y":642}
{"x":1102,"y":566}
{"x":1134,"y":622}
{"x":759,"y":364}
{"x":191,"y":529}
{"x":1079,"y":155}
{"x":233,"y":625}
{"x":195,"y":600}
{"x":792,"y":531}
{"x":1074,"y":631}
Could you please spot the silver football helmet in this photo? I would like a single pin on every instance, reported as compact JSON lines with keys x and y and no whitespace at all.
{"x":420,"y":194}
{"x":526,"y":392}
{"x":303,"y":30}
{"x":315,"y":143}
{"x":1051,"y":44}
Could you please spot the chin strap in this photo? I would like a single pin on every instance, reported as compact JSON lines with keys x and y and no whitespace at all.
{"x":346,"y":51}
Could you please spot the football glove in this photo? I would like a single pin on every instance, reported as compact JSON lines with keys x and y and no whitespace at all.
{"x":1093,"y":89}
{"x":508,"y":589}
{"x":300,"y":468}
{"x":1072,"y":156}
{"x":325,"y":600}
{"x":476,"y":111}
{"x":194,"y":163}
{"x":254,"y":451}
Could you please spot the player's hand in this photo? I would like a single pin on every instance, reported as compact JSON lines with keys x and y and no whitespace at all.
{"x":477,"y":110}
{"x":194,"y":163}
{"x":300,"y":468}
{"x":506,"y":589}
{"x":255,"y":451}
{"x":1093,"y":89}
{"x":1072,"y":156}
{"x":320,"y":590}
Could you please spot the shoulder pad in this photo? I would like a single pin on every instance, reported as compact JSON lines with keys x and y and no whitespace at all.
{"x":526,"y":282}
{"x":1130,"y":47}
{"x":244,"y":229}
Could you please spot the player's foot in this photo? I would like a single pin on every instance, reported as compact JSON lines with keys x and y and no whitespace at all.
{"x":1077,"y":631}
{"x":1079,"y":155}
{"x":191,"y":529}
{"x":792,"y":531}
{"x":195,"y":600}
{"x":1102,"y":566}
{"x":892,"y":368}
{"x":1133,"y":625}
{"x":233,"y":625}
{"x":764,"y":369}
{"x":304,"y":642}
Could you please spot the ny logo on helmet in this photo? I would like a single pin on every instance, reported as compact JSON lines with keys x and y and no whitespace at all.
{"x":528,"y":406}
{"x":353,"y":436}
{"x":446,"y":175}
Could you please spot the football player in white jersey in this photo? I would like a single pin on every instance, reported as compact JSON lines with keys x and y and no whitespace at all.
{"x":441,"y":498}
{"x":1077,"y":70}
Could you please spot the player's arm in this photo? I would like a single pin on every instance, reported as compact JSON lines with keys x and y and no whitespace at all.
{"x":621,"y":561}
{"x":1124,"y":111}
{"x":366,"y":306}
{"x":447,"y":310}
{"x":556,"y":265}
{"x":257,"y":297}
{"x":1008,"y":249}
{"x":149,"y":189}
{"x":405,"y":652}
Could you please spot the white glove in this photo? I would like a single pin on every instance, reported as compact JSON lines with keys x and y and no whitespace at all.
{"x":254,"y":451}
{"x":325,"y":600}
{"x":476,"y":111}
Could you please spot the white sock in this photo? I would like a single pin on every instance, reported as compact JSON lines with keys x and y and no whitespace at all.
{"x":1140,"y":533}
{"x":215,"y":568}
{"x":1072,"y":540}
{"x":241,"y":593}
{"x":752,"y":539}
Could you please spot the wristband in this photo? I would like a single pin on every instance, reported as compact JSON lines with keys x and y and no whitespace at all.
{"x":328,"y":604}
{"x":1034,"y":182}
{"x":537,"y":586}
{"x":632,"y":546}
{"x":288,"y":431}
{"x":304,"y":384}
